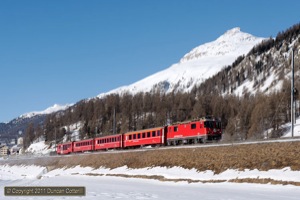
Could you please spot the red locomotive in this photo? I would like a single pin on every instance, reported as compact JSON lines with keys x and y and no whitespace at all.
{"x":191,"y":132}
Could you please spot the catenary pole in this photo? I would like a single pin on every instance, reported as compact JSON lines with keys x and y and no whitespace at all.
{"x":292,"y":95}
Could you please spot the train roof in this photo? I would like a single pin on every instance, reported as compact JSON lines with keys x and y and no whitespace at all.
{"x":145,"y":130}
{"x":207,"y":118}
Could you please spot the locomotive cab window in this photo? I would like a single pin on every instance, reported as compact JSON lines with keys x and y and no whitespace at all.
{"x":208,"y":124}
{"x":175,"y":128}
{"x":193,"y":126}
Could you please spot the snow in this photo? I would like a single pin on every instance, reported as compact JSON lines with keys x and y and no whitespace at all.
{"x":288,"y":133}
{"x":285,"y":174}
{"x":39,"y":148}
{"x":108,"y":187}
{"x":196,"y":66}
{"x":52,"y":109}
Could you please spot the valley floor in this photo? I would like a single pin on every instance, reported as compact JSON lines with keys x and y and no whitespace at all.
{"x":106,"y":188}
{"x":234,"y":172}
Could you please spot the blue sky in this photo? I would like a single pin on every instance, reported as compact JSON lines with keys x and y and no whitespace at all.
{"x":63,"y":51}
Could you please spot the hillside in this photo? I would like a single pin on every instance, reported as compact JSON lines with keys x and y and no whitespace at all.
{"x":263,"y":70}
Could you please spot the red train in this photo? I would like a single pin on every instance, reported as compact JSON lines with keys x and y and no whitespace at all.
{"x":190,"y":132}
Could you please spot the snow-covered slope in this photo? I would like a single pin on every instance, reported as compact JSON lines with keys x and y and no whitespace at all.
{"x":52,"y":109}
{"x":196,"y":66}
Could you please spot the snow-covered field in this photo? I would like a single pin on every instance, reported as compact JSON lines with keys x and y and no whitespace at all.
{"x":100,"y":186}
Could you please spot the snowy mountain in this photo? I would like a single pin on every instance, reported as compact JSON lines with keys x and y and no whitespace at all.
{"x":52,"y":109}
{"x":18,"y":125}
{"x":196,"y":66}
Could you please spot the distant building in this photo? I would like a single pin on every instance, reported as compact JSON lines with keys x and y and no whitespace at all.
{"x":3,"y":150}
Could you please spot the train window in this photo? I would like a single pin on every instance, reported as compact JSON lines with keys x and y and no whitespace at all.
{"x":175,"y":128}
{"x":129,"y":137}
{"x":143,"y":135}
{"x":134,"y":136}
{"x":153,"y":134}
{"x":193,"y":126}
{"x":158,"y":133}
{"x":148,"y":134}
{"x":139,"y":135}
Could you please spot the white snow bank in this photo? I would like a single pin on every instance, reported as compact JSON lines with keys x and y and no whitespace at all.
{"x":21,"y":172}
{"x":31,"y":172}
{"x":285,"y":174}
{"x":39,"y":148}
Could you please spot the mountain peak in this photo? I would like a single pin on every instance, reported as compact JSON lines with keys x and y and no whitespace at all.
{"x":196,"y":66}
{"x":233,"y":31}
{"x":232,"y":42}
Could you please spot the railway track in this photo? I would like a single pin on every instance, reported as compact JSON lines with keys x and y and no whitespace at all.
{"x":148,"y":148}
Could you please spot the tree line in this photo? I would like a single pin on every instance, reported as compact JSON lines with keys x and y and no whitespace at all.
{"x":247,"y":117}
